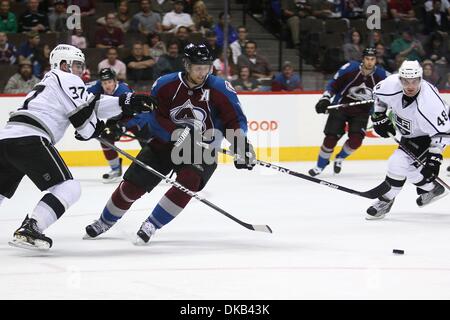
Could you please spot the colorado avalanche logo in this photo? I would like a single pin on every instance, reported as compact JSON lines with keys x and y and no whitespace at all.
{"x":189,"y":114}
{"x":360,"y":93}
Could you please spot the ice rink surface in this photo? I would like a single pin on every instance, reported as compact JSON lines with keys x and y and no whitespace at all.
{"x":322,"y":246}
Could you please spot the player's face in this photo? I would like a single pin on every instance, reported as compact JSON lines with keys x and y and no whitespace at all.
{"x":410,"y":86}
{"x":198,"y":72}
{"x":109,"y":86}
{"x":369,"y":62}
{"x":77,"y":68}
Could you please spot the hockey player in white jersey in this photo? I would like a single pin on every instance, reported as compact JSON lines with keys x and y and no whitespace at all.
{"x":422,"y":118}
{"x":26,"y":142}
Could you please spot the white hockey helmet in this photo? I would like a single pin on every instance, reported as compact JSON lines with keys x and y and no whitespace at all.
{"x":67,"y":53}
{"x":410,"y":70}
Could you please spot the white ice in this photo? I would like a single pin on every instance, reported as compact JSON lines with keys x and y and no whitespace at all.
{"x":321,"y":248}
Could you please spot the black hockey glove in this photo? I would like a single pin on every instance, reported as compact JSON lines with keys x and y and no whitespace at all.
{"x":245,"y":156}
{"x":133,"y":103}
{"x":382,"y":124}
{"x":113,"y":130}
{"x":98,"y":130}
{"x":432,"y":165}
{"x":322,"y":105}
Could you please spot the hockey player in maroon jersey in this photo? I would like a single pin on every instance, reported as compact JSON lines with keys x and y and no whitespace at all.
{"x":194,"y":99}
{"x":353,"y":82}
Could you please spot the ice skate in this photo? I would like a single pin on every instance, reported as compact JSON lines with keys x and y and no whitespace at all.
{"x":337,"y":165}
{"x":144,"y":234}
{"x":379,"y":209}
{"x":96,"y":228}
{"x":28,"y":236}
{"x":315,"y":171}
{"x":428,"y":197}
{"x":113,"y":175}
{"x":448,"y":171}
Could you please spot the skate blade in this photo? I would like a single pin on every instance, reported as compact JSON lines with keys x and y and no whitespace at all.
{"x":435,"y":199}
{"x":139,"y":242}
{"x":113,"y":180}
{"x":38,"y":246}
{"x":88,"y":237}
{"x":369,"y":217}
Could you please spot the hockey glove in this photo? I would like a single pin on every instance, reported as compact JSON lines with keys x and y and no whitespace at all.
{"x":322,"y":105}
{"x":113,"y":130}
{"x":133,"y":103}
{"x":432,"y":165}
{"x":98,"y":130}
{"x":245,"y":156}
{"x":382,"y":125}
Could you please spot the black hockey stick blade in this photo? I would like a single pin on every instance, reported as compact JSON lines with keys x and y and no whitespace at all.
{"x":376,"y":192}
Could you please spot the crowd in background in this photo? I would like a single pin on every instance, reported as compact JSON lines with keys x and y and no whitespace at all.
{"x":143,"y":40}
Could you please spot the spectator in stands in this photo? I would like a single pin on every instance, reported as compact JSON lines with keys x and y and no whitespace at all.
{"x":437,"y":18}
{"x":446,"y":84}
{"x":287,"y":79}
{"x":78,"y":39}
{"x":8,"y":22}
{"x":219,"y":66}
{"x":123,"y":19}
{"x":383,"y":58}
{"x":408,"y":46}
{"x":354,"y":49}
{"x":292,"y":12}
{"x":352,"y":9}
{"x":24,"y":80}
{"x":258,"y":64}
{"x":8,"y":52}
{"x":436,"y":49}
{"x":322,"y":9}
{"x":87,"y":7}
{"x":146,"y":21}
{"x":445,"y":6}
{"x":114,"y":63}
{"x":155,"y":47}
{"x":429,"y":73}
{"x":202,"y":20}
{"x":402,"y":10}
{"x":211,"y":41}
{"x":57,"y":19}
{"x":33,"y":19}
{"x":399,"y":59}
{"x":182,"y":36}
{"x":169,"y":62}
{"x":245,"y":80}
{"x":33,"y":51}
{"x":109,"y":35}
{"x":162,"y":6}
{"x":382,"y":4}
{"x":139,"y":66}
{"x":237,"y":47}
{"x":218,"y":29}
{"x":375,"y":37}
{"x":176,"y":18}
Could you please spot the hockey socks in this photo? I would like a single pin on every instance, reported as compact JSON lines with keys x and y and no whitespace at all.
{"x":121,"y":200}
{"x":174,"y":201}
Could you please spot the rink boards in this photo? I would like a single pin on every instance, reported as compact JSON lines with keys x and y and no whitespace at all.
{"x":283,"y":127}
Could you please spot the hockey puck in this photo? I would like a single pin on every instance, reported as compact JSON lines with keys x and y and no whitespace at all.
{"x":398,"y":251}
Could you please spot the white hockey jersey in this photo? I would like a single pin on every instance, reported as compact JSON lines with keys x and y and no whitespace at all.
{"x":60,"y":99}
{"x":427,"y":115}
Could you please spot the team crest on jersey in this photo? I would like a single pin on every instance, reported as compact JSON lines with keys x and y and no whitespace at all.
{"x":403,"y":125}
{"x":360,"y":93}
{"x":229,"y":87}
{"x":190,"y":115}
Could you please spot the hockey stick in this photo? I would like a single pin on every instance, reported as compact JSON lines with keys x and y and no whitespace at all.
{"x":255,"y":227}
{"x":350,"y":104}
{"x":371,"y":194}
{"x":416,"y":159}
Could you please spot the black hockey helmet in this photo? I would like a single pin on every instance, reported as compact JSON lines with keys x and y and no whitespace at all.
{"x":198,"y":54}
{"x":107,"y":74}
{"x":369,"y":51}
